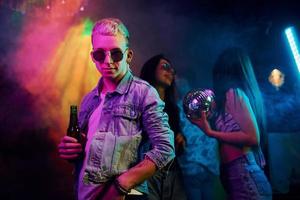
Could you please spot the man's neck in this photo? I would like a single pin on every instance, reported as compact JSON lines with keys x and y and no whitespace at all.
{"x":109,"y":85}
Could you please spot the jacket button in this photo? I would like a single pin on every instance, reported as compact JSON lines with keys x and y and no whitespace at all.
{"x":132,"y":113}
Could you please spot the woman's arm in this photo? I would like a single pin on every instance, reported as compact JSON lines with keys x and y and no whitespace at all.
{"x":238,"y":105}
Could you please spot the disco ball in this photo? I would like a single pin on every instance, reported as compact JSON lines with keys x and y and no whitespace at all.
{"x":196,"y":101}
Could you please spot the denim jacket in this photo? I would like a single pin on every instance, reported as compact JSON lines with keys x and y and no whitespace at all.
{"x":131,"y":116}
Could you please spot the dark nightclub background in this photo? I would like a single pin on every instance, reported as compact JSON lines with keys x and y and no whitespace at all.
{"x":45,"y":67}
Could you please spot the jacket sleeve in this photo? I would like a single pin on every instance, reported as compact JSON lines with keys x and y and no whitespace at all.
{"x":155,"y":123}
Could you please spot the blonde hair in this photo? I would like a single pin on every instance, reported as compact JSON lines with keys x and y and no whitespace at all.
{"x":110,"y":27}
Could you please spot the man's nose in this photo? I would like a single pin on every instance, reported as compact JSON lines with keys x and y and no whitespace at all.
{"x":107,"y":58}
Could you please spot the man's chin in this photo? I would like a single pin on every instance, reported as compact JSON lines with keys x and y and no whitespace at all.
{"x":110,"y":76}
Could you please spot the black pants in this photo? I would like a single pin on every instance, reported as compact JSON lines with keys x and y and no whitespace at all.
{"x":167,"y":184}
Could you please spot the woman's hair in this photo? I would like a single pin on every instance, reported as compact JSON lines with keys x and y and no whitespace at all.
{"x":233,"y":69}
{"x":171,"y":108}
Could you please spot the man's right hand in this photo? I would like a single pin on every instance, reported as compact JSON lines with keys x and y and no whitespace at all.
{"x":69,"y":148}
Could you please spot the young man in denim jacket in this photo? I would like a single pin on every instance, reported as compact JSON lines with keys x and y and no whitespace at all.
{"x":117,"y":117}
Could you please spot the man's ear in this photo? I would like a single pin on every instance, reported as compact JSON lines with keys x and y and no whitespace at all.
{"x":129,"y":56}
{"x":91,"y":54}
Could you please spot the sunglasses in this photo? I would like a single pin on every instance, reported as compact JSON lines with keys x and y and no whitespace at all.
{"x":115,"y":54}
{"x":168,"y":67}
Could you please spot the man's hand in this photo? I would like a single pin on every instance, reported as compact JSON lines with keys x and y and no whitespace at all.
{"x":69,"y":148}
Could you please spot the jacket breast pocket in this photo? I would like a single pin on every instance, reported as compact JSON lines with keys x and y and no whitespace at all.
{"x":125,"y":119}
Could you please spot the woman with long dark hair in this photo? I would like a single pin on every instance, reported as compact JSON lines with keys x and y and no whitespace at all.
{"x":238,"y":123}
{"x":167,"y":183}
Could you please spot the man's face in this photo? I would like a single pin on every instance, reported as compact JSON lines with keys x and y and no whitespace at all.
{"x":111,"y":56}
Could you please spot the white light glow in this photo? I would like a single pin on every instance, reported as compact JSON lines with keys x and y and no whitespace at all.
{"x":291,"y":36}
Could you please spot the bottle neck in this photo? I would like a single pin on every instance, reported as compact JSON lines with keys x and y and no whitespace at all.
{"x":73,"y":119}
{"x":73,"y":116}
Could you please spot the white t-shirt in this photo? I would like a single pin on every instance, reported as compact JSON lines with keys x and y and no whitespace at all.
{"x":89,"y":191}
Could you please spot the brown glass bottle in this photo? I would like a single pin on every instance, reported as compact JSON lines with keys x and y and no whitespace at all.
{"x":73,"y":129}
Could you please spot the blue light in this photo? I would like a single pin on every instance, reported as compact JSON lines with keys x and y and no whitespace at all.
{"x":291,"y":36}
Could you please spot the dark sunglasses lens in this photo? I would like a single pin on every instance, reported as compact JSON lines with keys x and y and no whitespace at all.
{"x":99,"y":55}
{"x":166,"y":66}
{"x":116,"y":55}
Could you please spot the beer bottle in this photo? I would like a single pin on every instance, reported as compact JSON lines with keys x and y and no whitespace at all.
{"x":73,"y":129}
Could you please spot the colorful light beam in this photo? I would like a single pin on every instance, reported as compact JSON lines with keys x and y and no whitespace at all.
{"x":53,"y":62}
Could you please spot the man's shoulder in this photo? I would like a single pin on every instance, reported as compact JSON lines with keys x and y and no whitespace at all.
{"x":142,"y":88}
{"x":139,"y":84}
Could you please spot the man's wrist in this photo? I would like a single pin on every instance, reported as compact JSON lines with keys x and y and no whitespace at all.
{"x":122,"y":190}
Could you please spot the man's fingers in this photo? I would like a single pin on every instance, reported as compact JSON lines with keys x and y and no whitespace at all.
{"x":69,"y":145}
{"x":68,"y":157}
{"x":70,"y":151}
{"x":68,"y":139}
{"x":69,"y":148}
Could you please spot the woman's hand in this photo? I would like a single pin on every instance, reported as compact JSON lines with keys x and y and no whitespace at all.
{"x":179,"y":143}
{"x":202,"y":123}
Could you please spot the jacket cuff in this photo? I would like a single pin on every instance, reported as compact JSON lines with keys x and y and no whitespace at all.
{"x":158,"y":159}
